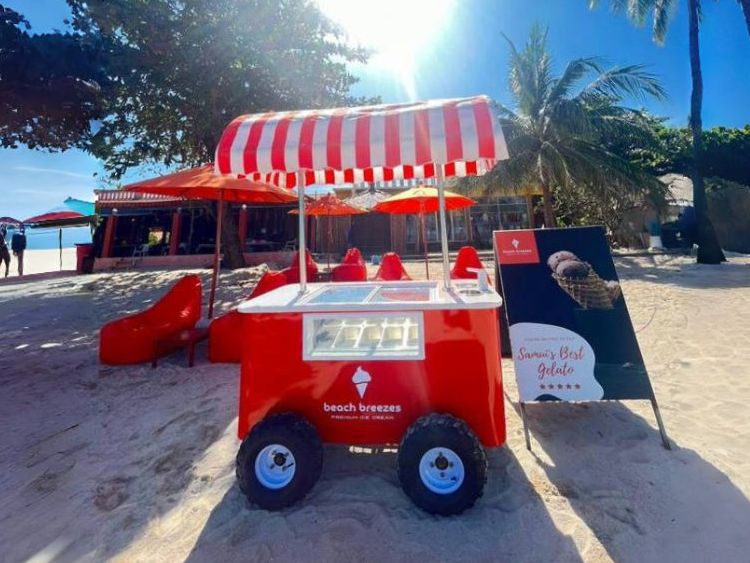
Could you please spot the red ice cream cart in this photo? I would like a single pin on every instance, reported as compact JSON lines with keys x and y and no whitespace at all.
{"x":410,"y":363}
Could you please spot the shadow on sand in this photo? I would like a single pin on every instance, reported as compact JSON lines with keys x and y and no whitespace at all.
{"x":357,"y":511}
{"x":91,"y":455}
{"x":673,"y":271}
{"x":642,"y":502}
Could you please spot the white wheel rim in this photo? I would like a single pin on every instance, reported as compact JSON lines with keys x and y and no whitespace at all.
{"x":441,"y":471}
{"x":275,"y":466}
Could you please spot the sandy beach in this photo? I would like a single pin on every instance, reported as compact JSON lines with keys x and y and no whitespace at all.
{"x":43,"y":261}
{"x":137,"y":464}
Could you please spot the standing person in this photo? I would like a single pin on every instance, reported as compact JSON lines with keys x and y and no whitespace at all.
{"x":18,"y":245}
{"x":4,"y":254}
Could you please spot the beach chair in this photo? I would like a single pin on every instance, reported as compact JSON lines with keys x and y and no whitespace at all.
{"x":225,"y":340}
{"x":391,"y":268}
{"x":157,"y":331}
{"x":292,"y":272}
{"x":467,"y":258}
{"x":351,"y":269}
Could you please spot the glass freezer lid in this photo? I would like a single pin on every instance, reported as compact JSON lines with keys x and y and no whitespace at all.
{"x":341,"y":294}
{"x":411,"y":294}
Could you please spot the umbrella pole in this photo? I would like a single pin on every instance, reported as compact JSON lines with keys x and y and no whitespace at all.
{"x":217,"y":246}
{"x":424,"y":244}
{"x":59,"y":242}
{"x":301,"y":237}
{"x":330,"y":239}
{"x":443,"y":226}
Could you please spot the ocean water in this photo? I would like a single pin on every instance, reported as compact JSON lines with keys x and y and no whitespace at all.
{"x":40,"y":239}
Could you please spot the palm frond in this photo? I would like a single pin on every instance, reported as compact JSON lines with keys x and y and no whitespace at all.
{"x":621,"y":81}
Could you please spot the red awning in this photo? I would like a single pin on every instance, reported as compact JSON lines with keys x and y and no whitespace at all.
{"x":459,"y":137}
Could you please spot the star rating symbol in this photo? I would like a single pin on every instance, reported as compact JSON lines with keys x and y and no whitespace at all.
{"x":578,"y":386}
{"x":560,"y":386}
{"x":542,"y":386}
{"x":568,"y":386}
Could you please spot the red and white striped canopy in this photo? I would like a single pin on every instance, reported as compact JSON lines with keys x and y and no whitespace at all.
{"x":457,"y":137}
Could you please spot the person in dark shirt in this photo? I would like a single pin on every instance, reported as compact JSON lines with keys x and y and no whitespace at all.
{"x":18,"y":245}
{"x":4,"y":254}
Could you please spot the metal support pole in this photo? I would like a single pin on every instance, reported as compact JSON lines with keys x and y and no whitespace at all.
{"x":660,"y":423}
{"x":301,"y":238}
{"x":443,"y":223}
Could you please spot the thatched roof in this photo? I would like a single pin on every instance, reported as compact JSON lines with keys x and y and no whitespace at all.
{"x":680,"y":187}
{"x":368,"y":199}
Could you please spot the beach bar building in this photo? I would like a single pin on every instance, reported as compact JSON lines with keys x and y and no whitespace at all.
{"x":154,"y":230}
{"x":149,"y":230}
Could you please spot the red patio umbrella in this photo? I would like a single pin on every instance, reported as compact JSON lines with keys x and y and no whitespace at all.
{"x":330,"y":206}
{"x":202,"y":183}
{"x":421,"y":201}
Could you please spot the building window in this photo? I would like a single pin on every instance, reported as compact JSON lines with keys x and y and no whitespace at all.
{"x":455,"y":221}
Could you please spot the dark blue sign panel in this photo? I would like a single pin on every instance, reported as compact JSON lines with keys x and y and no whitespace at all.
{"x":570,"y":330}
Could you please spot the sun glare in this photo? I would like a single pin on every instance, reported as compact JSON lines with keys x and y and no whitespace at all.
{"x":397,"y":31}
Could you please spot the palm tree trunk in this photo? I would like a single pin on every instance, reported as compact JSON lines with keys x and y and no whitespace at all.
{"x":549,"y":210}
{"x":232,"y":248}
{"x":709,"y":249}
{"x":530,"y":210}
{"x":746,"y":11}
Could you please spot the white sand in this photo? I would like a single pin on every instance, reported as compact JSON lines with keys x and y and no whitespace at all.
{"x":42,"y":261}
{"x":135,"y":464}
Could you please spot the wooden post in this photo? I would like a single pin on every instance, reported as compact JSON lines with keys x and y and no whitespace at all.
{"x":242,"y":227}
{"x":109,"y":236}
{"x":217,"y":249}
{"x":174,"y":233}
{"x":424,"y":244}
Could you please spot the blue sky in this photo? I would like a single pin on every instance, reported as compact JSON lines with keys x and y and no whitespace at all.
{"x":464,"y":55}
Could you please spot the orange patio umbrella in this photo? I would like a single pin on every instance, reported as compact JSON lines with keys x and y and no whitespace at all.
{"x":421,"y":201}
{"x":202,"y":183}
{"x":330,"y":206}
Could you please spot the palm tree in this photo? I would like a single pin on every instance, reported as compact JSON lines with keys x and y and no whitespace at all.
{"x":709,"y":249}
{"x":555,"y":131}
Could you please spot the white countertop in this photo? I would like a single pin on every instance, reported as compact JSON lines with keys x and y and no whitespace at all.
{"x":373,"y":296}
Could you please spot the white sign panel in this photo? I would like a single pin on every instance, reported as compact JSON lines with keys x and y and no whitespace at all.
{"x":553,"y":361}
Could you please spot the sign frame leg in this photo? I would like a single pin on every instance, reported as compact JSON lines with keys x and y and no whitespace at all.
{"x":525,"y":420}
{"x":660,"y":423}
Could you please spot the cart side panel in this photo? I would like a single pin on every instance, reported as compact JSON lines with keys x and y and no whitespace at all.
{"x":460,"y":375}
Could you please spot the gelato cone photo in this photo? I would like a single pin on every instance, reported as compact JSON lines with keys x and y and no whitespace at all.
{"x":579,"y":280}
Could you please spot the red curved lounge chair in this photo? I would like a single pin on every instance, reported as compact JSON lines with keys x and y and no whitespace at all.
{"x":467,"y":258}
{"x":391,"y":268}
{"x":351,"y":269}
{"x":225,"y":332}
{"x":133,"y":339}
{"x":292,"y":272}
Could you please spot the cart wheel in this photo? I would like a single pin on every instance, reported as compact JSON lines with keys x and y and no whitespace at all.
{"x":279,"y":461}
{"x":441,"y":465}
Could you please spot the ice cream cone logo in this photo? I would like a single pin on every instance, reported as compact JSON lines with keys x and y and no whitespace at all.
{"x":515,"y":243}
{"x":361,"y":380}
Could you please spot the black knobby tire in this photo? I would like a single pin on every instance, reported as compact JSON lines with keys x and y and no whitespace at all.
{"x":301,"y":438}
{"x":442,"y":431}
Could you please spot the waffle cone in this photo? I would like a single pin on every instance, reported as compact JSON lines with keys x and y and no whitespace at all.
{"x":590,"y":292}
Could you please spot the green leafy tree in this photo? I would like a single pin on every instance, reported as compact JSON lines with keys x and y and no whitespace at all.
{"x":709,"y":249}
{"x":50,"y":85}
{"x":180,"y":71}
{"x":555,"y":132}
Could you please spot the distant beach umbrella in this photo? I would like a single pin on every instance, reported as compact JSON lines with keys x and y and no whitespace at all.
{"x":330,"y":206}
{"x":421,"y":201}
